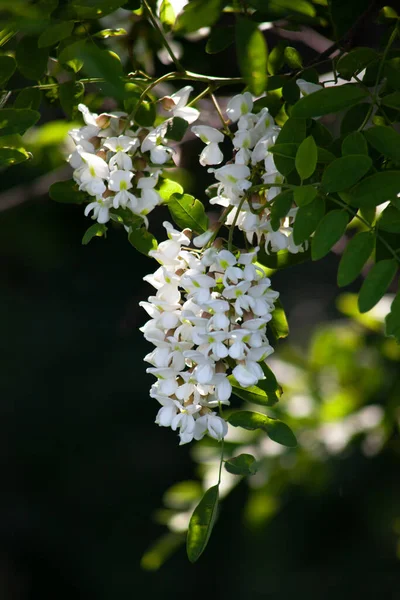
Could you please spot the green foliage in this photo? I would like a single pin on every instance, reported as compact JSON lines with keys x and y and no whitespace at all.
{"x":306,"y":158}
{"x":177,"y":129}
{"x":279,"y":324}
{"x":142,"y":240}
{"x":71,"y":94}
{"x":28,"y":98}
{"x":31,"y":59}
{"x":307,"y":220}
{"x":220,"y":39}
{"x":344,"y":172}
{"x":187,"y":212}
{"x":354,"y":143}
{"x":356,"y":254}
{"x":252,"y":54}
{"x":376,"y":284}
{"x":244,"y":464}
{"x":201,"y":524}
{"x":386,"y":140}
{"x":376,"y":189}
{"x":393,"y":319}
{"x":355,"y":61}
{"x":282,"y":204}
{"x":277,"y":430}
{"x":55,"y":33}
{"x":95,"y":230}
{"x":329,"y":231}
{"x":328,"y":100}
{"x":167,"y":187}
{"x":17,"y":120}
{"x":304,"y":194}
{"x":67,"y":192}
{"x":7,"y":68}
{"x":197,"y":14}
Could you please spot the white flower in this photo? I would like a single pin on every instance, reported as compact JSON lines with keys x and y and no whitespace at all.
{"x":208,"y":134}
{"x":100,"y":210}
{"x":180,"y":109}
{"x":234,"y":176}
{"x":248,"y":373}
{"x":239,"y":105}
{"x":213,"y":425}
{"x":306,"y":87}
{"x":211,"y":155}
{"x":201,"y":240}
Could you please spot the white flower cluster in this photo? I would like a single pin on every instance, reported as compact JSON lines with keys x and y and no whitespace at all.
{"x":119,"y":166}
{"x":208,"y":320}
{"x":252,"y":165}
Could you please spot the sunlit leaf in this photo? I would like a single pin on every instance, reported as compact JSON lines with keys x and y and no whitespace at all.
{"x":167,"y":14}
{"x":201,"y":524}
{"x":187,"y":212}
{"x":244,"y":464}
{"x":161,"y":550}
{"x":277,"y":430}
{"x":197,"y":14}
{"x":306,"y":158}
{"x":167,"y":187}
{"x":279,"y":324}
{"x":252,"y":55}
{"x":107,"y":33}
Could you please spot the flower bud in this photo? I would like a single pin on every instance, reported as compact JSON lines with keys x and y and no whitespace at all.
{"x":167,"y":103}
{"x":103,"y":121}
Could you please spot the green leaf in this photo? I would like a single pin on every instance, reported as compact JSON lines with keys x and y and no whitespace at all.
{"x":255,"y":394}
{"x":142,"y":240}
{"x":354,"y":143}
{"x":279,"y":324}
{"x":283,"y":259}
{"x":187,"y":212}
{"x":31,"y":60}
{"x":67,"y":192}
{"x":201,"y":524}
{"x":356,"y":254}
{"x":293,"y":58}
{"x":282,"y":8}
{"x":161,"y":550}
{"x":386,"y":140}
{"x":244,"y":464}
{"x":252,"y":55}
{"x":177,"y":128}
{"x":7,"y":68}
{"x":376,"y":284}
{"x":167,"y":14}
{"x":354,"y":118}
{"x":390,"y":219}
{"x":55,"y":33}
{"x":17,"y":120}
{"x":277,"y":430}
{"x":376,"y":189}
{"x":328,"y":232}
{"x":392,"y":100}
{"x":96,"y":230}
{"x":104,"y":65}
{"x":168,"y":187}
{"x":325,"y":156}
{"x":13,"y":156}
{"x":328,"y":100}
{"x":344,"y":172}
{"x":355,"y":61}
{"x":283,"y":202}
{"x":146,"y":114}
{"x":71,"y":94}
{"x":197,"y":14}
{"x":306,"y":158}
{"x":28,"y":98}
{"x":276,"y":58}
{"x":69,"y":54}
{"x":393,"y":319}
{"x":94,"y":9}
{"x":304,"y":194}
{"x":220,"y":39}
{"x":292,"y":132}
{"x":107,"y":33}
{"x":307,"y":219}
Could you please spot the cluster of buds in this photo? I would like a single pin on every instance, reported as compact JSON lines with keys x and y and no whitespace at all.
{"x":208,"y":321}
{"x":120,"y":166}
{"x":251,"y":164}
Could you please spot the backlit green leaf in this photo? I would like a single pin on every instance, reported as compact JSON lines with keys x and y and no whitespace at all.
{"x":293,"y":58}
{"x":201,"y":524}
{"x":376,"y":284}
{"x":106,"y":33}
{"x":244,"y":464}
{"x":167,"y":187}
{"x":277,"y":430}
{"x":167,"y":14}
{"x":96,"y":230}
{"x":306,"y":158}
{"x":187,"y":212}
{"x":252,"y":54}
{"x":279,"y":324}
{"x":197,"y":14}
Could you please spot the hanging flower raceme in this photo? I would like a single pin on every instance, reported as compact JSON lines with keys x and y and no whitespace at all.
{"x":251,"y":164}
{"x":119,"y":166}
{"x":207,"y":322}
